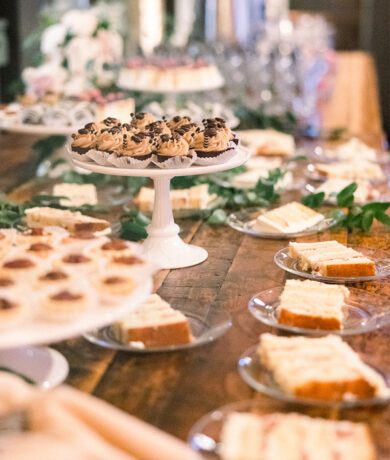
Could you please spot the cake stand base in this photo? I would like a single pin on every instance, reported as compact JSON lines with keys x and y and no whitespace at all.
{"x":173,"y":252}
{"x":44,"y":367}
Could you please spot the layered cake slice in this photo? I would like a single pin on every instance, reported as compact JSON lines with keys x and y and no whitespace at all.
{"x":247,"y":436}
{"x":71,"y":221}
{"x":323,"y":368}
{"x":268,"y":142}
{"x":352,"y":170}
{"x":154,"y":324}
{"x":290,"y":218}
{"x":313,"y":305}
{"x":330,"y":258}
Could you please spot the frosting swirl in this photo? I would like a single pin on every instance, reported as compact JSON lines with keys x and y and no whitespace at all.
{"x":172,"y":146}
{"x":136,"y":145}
{"x":157,"y":128}
{"x":141,"y":119}
{"x":211,"y":140}
{"x":177,"y":122}
{"x":83,"y":139}
{"x":109,"y":140}
{"x":188,"y":131}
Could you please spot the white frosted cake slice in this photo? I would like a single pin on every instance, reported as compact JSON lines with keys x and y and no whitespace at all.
{"x":76,"y":194}
{"x":313,"y":305}
{"x":70,"y":220}
{"x":330,"y":258}
{"x":365,"y":191}
{"x":290,"y":218}
{"x":352,"y":150}
{"x":324,"y":368}
{"x":247,"y":436}
{"x":154,"y":324}
{"x":352,"y":170}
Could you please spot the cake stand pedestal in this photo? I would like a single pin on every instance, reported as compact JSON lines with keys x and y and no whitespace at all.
{"x":163,"y":244}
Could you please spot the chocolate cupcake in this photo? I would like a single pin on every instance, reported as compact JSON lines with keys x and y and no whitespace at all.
{"x":188,"y":131}
{"x":173,"y":152}
{"x":177,"y":122}
{"x":83,"y":141}
{"x":136,"y":151}
{"x":109,"y":140}
{"x":140,"y":120}
{"x":157,"y":128}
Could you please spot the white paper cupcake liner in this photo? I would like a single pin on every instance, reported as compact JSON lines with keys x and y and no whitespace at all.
{"x":216,"y":159}
{"x":179,"y":162}
{"x":79,"y":156}
{"x":99,"y":157}
{"x":128,"y":162}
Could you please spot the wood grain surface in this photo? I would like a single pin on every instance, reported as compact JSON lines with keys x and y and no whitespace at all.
{"x":172,"y":390}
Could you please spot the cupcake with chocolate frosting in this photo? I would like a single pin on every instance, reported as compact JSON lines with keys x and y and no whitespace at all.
{"x":157,"y":128}
{"x":108,"y":141}
{"x":213,"y":144}
{"x":82,"y":141}
{"x":140,"y":120}
{"x":173,"y":152}
{"x":135,"y":152}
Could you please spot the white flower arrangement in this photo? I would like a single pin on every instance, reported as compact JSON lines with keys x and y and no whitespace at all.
{"x":79,"y":51}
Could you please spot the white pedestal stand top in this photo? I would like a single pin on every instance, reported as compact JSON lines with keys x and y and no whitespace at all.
{"x":163,"y":244}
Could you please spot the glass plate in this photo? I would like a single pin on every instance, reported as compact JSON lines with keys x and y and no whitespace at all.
{"x":363,"y":312}
{"x":205,"y":435}
{"x":258,"y":377}
{"x":244,"y":220}
{"x":381,"y":258}
{"x":205,"y":329}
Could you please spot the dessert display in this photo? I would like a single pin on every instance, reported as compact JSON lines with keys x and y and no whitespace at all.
{"x":293,"y":217}
{"x":248,"y":436}
{"x":358,"y":170}
{"x":154,"y":324}
{"x":352,"y":150}
{"x":171,"y":74}
{"x":73,"y":221}
{"x":324,"y":368}
{"x":330,"y":258}
{"x":313,"y":305}
{"x":196,"y":197}
{"x":268,"y":142}
{"x":143,"y":140}
{"x":65,"y":279}
{"x":365,"y":191}
{"x":75,"y":195}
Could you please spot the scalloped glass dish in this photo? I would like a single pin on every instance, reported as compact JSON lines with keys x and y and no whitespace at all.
{"x":205,"y":435}
{"x":363,"y":312}
{"x":243,"y":221}
{"x":258,"y":377}
{"x":205,"y":329}
{"x":381,"y":259}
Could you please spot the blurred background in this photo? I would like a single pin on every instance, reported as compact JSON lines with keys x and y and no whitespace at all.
{"x":277,"y":57}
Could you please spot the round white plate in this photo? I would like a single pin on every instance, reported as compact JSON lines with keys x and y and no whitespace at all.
{"x":240,"y":158}
{"x":204,"y":329}
{"x":41,"y":366}
{"x":39,"y":331}
{"x":257,"y":376}
{"x":363,"y":312}
{"x":244,"y":222}
{"x":381,"y":258}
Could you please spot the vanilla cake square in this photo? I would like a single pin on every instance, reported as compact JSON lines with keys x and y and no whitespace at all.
{"x":154,"y":324}
{"x":313,"y":305}
{"x":247,"y":436}
{"x":324,"y":368}
{"x":330,"y":258}
{"x":290,"y":218}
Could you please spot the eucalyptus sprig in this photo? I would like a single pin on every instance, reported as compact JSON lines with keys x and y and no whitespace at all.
{"x":356,"y":217}
{"x":133,"y":225}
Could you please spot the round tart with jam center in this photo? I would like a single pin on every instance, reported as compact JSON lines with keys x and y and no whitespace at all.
{"x":65,"y":304}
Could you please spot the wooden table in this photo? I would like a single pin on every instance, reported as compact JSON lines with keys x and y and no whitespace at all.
{"x":172,"y":390}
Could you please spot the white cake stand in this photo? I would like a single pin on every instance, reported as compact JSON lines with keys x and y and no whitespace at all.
{"x":44,"y":366}
{"x":163,"y":244}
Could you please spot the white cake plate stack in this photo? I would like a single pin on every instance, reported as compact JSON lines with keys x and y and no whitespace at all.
{"x":163,"y":245}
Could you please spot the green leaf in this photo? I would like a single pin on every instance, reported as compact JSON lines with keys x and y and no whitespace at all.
{"x":218,"y":217}
{"x":367,"y":220}
{"x":314,"y":200}
{"x":383,"y":217}
{"x":345,"y":197}
{"x":381,"y":207}
{"x":133,"y":231}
